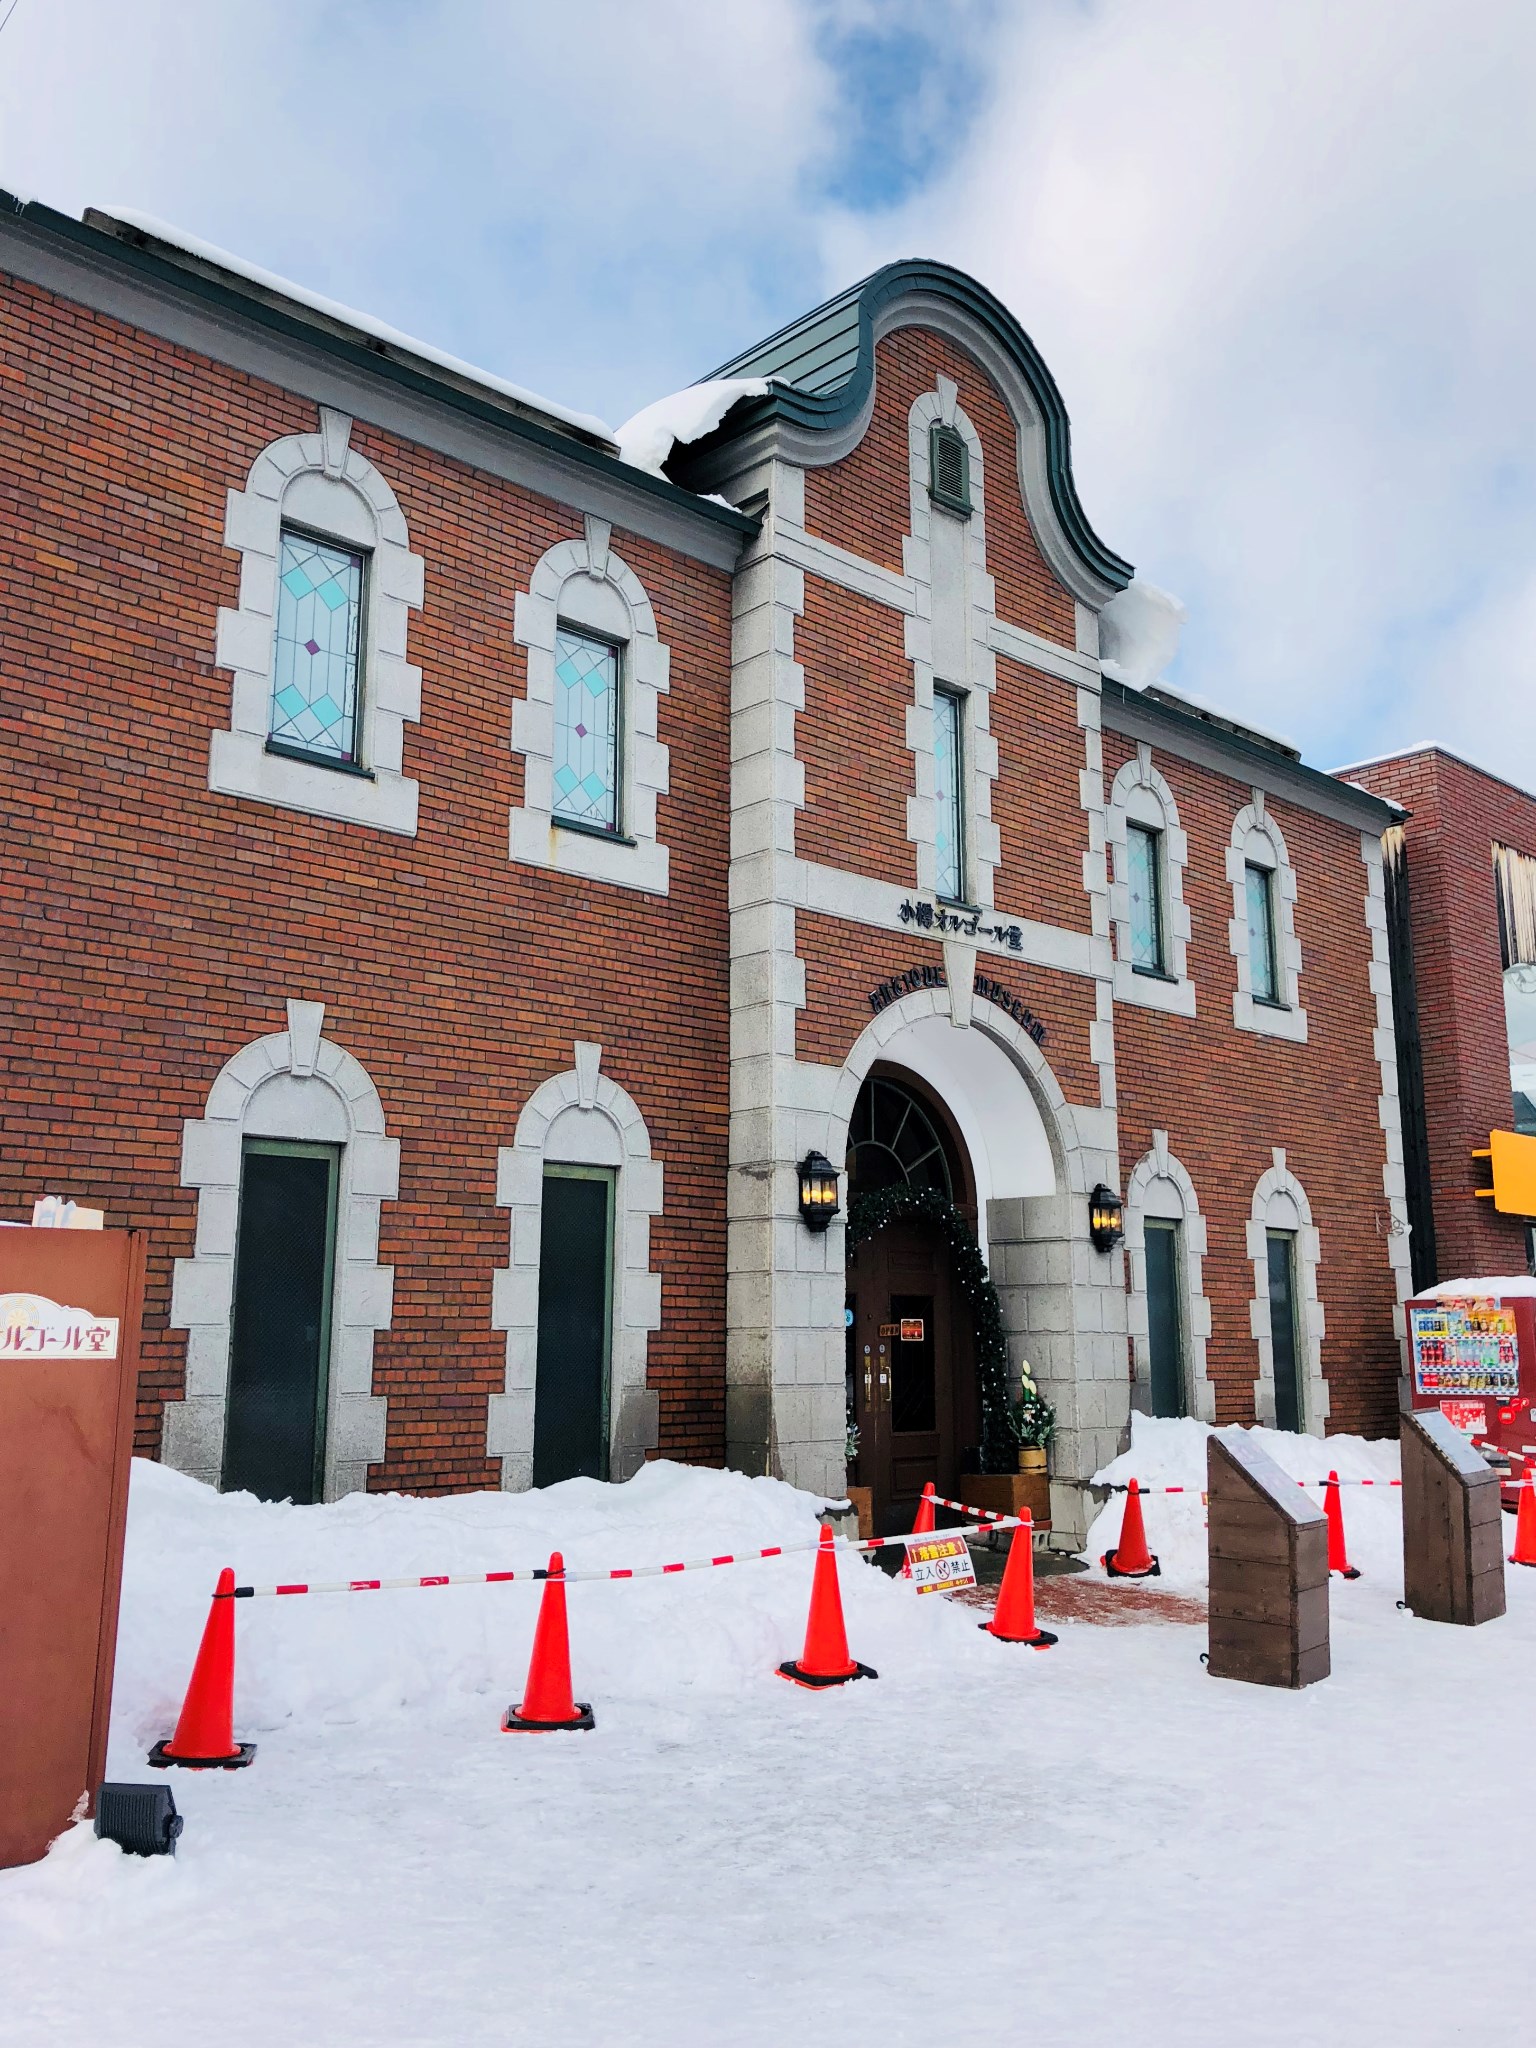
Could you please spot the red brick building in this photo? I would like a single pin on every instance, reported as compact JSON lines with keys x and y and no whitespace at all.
{"x":460,"y":880}
{"x":1461,"y":873}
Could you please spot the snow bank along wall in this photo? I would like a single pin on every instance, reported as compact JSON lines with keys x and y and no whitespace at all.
{"x":879,"y":814}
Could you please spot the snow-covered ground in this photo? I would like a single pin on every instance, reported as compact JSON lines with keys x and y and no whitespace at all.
{"x":1097,"y":1843}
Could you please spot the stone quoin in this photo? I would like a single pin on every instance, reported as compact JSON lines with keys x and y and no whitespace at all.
{"x":455,"y":877}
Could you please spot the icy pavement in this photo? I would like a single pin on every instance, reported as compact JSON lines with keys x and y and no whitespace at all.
{"x":1095,"y":1843}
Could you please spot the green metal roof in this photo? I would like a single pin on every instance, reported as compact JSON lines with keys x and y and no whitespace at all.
{"x":823,"y":368}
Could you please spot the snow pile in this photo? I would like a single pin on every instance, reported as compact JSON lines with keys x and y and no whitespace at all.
{"x":1172,"y":1453}
{"x":649,"y":438}
{"x":209,"y":252}
{"x":1486,"y":1289}
{"x":369,"y":1658}
{"x":1139,"y":633}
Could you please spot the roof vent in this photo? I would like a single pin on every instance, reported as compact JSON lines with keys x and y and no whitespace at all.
{"x":949,"y":469}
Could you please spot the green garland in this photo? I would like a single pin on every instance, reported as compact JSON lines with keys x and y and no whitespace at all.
{"x":868,"y":1213}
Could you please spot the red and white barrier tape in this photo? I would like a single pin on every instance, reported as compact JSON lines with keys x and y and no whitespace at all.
{"x":1123,"y":1486}
{"x":638,"y":1571}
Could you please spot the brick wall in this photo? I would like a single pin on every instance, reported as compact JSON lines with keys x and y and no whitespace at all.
{"x":1456,"y":814}
{"x":1227,"y":1097}
{"x":158,"y":928}
{"x":852,"y":735}
{"x":863,"y":502}
{"x":844,"y":963}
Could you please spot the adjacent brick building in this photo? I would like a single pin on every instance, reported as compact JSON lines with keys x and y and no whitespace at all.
{"x":460,"y":881}
{"x":1461,"y":868}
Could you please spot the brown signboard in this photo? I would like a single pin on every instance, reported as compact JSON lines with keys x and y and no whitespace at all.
{"x":69,"y":1343}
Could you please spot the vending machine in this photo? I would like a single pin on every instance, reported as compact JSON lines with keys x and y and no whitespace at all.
{"x":1473,"y":1356}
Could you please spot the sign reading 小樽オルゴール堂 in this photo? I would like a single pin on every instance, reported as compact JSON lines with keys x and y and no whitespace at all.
{"x":935,"y":1564}
{"x":32,"y":1326}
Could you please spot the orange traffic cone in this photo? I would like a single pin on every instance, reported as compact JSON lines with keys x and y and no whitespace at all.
{"x":924,"y":1524}
{"x":825,"y":1659}
{"x":547,"y":1701}
{"x":1524,"y":1551}
{"x":1333,"y":1508}
{"x":1013,"y":1618}
{"x":205,"y":1730}
{"x":1130,"y":1558}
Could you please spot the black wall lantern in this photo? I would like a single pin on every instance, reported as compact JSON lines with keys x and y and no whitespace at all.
{"x":818,"y":1190}
{"x":1106,"y":1218}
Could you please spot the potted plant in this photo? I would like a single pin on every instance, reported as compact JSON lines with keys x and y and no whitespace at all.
{"x":1031,"y":1424}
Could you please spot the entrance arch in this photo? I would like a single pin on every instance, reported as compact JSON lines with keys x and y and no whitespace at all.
{"x":1034,"y":1158}
{"x":910,"y":1385}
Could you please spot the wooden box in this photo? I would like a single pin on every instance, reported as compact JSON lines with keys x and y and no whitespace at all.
{"x":1453,"y":1533}
{"x":1268,"y":1550}
{"x":1009,"y":1493}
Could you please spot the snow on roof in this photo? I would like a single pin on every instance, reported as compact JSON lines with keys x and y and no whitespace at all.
{"x":1211,"y":709}
{"x":208,"y":252}
{"x":1139,"y":633}
{"x":649,"y":437}
{"x":1484,"y":1289}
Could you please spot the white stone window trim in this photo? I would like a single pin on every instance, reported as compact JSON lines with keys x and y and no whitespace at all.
{"x":1280,"y":1203}
{"x":1140,"y":795}
{"x":1160,"y":1187}
{"x":585,"y":585}
{"x":318,"y":483}
{"x":982,"y":844}
{"x":1258,"y":840}
{"x":577,"y":1118}
{"x":300,"y":1086}
{"x":1388,"y":1104}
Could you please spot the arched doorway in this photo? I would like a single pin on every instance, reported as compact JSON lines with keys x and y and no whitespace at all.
{"x":911,"y":1379}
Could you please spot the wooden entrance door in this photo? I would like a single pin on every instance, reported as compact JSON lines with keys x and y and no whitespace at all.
{"x":911,"y":1363}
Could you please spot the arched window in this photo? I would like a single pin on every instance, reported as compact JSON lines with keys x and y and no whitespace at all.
{"x":593,"y":766}
{"x":322,"y":691}
{"x":895,"y":1140}
{"x":1148,"y":854}
{"x":1262,"y":933}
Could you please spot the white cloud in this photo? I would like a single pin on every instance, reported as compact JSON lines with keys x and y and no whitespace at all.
{"x":1278,"y":259}
{"x":564,"y":192}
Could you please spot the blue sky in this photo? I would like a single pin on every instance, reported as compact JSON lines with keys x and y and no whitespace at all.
{"x":1278,"y":258}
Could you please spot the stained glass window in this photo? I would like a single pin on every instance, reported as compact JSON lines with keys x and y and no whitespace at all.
{"x":1144,"y":879}
{"x":586,"y":730}
{"x":319,"y":633}
{"x":949,"y":815}
{"x":1262,"y":977}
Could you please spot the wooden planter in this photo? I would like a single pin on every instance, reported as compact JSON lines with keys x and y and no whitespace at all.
{"x":1010,"y":1493}
{"x":863,"y":1498}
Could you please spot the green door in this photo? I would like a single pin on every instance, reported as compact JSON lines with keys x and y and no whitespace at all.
{"x":570,"y":1415}
{"x":280,"y":1332}
{"x":1282,"y":1328}
{"x":1164,"y":1330}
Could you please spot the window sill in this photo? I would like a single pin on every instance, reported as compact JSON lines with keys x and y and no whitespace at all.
{"x":1155,"y":974}
{"x":603,"y":832}
{"x":327,"y":761}
{"x":1271,"y":1003}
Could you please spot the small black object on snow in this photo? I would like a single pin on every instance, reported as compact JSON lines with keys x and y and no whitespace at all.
{"x":140,"y":1818}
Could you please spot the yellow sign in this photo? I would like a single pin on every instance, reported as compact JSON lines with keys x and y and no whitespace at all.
{"x":1513,"y":1159}
{"x":936,"y":1564}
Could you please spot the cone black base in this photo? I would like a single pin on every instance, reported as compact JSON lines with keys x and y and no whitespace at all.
{"x":1350,"y":1571}
{"x":815,"y":1681}
{"x":1153,"y":1571}
{"x":514,"y":1723}
{"x":1042,"y":1638}
{"x":160,"y":1756}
